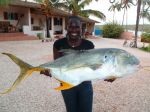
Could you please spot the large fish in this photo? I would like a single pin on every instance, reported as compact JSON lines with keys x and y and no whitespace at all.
{"x":79,"y":66}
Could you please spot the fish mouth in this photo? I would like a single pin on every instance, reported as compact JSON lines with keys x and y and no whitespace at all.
{"x":144,"y":67}
{"x":138,"y":66}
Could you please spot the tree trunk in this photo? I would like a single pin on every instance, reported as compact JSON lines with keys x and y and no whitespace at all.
{"x":137,"y":22}
{"x":126,"y":19}
{"x":143,"y":25}
{"x":123,"y":16}
{"x":114,"y":17}
{"x":47,"y":27}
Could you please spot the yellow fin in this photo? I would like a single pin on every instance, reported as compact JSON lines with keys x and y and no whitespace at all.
{"x":64,"y":86}
{"x":26,"y":70}
{"x":24,"y":74}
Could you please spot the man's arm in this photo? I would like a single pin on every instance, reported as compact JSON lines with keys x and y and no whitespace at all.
{"x":56,"y":53}
{"x":46,"y":73}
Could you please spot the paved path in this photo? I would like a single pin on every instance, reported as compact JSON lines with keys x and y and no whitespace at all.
{"x":36,"y":93}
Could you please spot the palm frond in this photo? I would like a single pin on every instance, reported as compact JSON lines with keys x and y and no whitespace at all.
{"x":5,"y":2}
{"x":61,"y":5}
{"x":115,"y":6}
{"x":145,"y":14}
{"x":84,"y":3}
{"x":39,"y":1}
{"x":94,"y":13}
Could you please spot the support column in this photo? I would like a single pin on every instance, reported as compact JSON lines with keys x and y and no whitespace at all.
{"x":27,"y":25}
{"x":52,"y":25}
{"x":29,"y":19}
{"x":63,"y":26}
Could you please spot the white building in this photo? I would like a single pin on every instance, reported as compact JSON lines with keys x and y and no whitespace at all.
{"x":28,"y":18}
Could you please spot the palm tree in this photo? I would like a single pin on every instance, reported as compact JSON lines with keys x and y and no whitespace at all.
{"x":138,"y":4}
{"x":46,"y":8}
{"x":4,"y":2}
{"x":119,"y":6}
{"x":76,"y":7}
{"x":145,"y":11}
{"x":144,"y":14}
{"x":126,"y":6}
{"x":113,"y":8}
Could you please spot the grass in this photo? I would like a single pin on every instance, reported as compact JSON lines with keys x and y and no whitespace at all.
{"x":147,"y":49}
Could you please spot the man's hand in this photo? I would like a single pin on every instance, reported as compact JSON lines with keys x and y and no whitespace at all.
{"x":46,"y":72}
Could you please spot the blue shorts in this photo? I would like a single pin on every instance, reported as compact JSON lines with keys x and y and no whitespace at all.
{"x":79,"y":98}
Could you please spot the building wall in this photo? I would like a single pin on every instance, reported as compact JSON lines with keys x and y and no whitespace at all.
{"x":90,"y":27}
{"x":39,"y":25}
{"x":38,"y":20}
{"x":19,"y":11}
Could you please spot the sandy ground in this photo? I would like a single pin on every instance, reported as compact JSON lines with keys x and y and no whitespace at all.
{"x":36,"y":93}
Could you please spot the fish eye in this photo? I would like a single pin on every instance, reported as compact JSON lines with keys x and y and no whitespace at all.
{"x":105,"y":58}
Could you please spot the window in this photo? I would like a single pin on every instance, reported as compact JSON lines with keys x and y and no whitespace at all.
{"x":32,"y":21}
{"x":50,"y":24}
{"x":10,"y":16}
{"x":57,"y":21}
{"x":5,"y":15}
{"x":16,"y":16}
{"x":84,"y":25}
{"x":60,"y":21}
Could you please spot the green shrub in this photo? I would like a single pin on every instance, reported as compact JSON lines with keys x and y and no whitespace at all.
{"x":146,"y":48}
{"x":112,"y":30}
{"x":145,"y":37}
{"x":39,"y":35}
{"x":147,"y":30}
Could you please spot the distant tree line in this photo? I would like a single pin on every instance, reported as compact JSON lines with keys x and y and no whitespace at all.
{"x":144,"y":28}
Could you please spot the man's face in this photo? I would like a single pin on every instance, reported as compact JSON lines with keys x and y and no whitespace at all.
{"x":74,"y":29}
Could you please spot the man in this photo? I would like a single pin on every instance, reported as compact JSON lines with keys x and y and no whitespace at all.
{"x":79,"y":98}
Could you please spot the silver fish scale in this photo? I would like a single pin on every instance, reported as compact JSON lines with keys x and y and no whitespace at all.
{"x":82,"y":66}
{"x":75,"y":60}
{"x":92,"y":57}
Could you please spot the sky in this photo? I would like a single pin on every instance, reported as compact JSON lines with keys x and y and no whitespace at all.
{"x":103,"y":6}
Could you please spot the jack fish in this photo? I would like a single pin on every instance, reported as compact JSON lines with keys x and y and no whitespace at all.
{"x":79,"y":66}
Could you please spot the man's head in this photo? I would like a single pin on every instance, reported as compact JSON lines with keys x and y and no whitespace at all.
{"x":74,"y":27}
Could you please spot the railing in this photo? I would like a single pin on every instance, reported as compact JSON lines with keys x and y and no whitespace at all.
{"x":4,"y":26}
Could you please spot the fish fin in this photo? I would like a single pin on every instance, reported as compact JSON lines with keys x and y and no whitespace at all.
{"x":18,"y":61}
{"x":70,"y":51}
{"x":95,"y":67}
{"x":26,"y":70}
{"x":21,"y":77}
{"x":111,"y":78}
{"x":64,"y":86}
{"x":67,"y":51}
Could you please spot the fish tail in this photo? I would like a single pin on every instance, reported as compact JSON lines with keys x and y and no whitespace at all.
{"x":26,"y":70}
